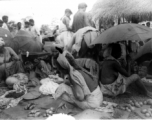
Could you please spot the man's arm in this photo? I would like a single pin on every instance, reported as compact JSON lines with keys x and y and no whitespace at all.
{"x":12,"y":52}
{"x":118,"y":67}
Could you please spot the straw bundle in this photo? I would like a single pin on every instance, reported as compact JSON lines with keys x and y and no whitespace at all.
{"x":122,"y":8}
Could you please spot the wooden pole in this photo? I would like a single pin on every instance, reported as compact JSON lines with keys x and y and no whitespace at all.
{"x":123,"y":18}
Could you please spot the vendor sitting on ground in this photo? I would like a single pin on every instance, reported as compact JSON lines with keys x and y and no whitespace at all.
{"x":115,"y":79}
{"x":83,"y":89}
{"x":9,"y":63}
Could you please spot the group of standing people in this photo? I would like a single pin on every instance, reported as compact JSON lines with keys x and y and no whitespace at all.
{"x":4,"y":23}
{"x":81,"y":19}
{"x":14,"y":28}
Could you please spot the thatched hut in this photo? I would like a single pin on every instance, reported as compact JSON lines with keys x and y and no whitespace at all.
{"x":140,"y":10}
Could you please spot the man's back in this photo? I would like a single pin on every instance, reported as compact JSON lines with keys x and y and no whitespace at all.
{"x":78,"y":21}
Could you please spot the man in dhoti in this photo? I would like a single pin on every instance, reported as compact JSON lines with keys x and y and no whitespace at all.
{"x":65,"y":34}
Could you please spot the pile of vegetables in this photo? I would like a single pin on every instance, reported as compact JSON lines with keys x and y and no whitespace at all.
{"x":147,"y":112}
{"x":132,"y":104}
{"x":146,"y":80}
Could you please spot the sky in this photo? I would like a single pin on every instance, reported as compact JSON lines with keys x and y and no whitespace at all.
{"x":42,"y":11}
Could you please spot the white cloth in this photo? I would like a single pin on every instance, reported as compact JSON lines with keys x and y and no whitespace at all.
{"x":62,"y":26}
{"x":5,"y":26}
{"x":93,"y":100}
{"x":65,"y":39}
{"x":34,"y":30}
{"x":59,"y":116}
{"x":48,"y":86}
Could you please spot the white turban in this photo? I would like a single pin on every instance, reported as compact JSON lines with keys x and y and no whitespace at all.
{"x":2,"y":42}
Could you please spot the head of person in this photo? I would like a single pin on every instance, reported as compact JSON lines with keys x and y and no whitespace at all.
{"x":148,"y":24}
{"x":113,"y":50}
{"x":11,"y":23}
{"x":57,"y":27}
{"x":5,"y":18}
{"x":27,"y":24}
{"x":116,"y":50}
{"x":2,"y":44}
{"x":14,"y":26}
{"x":31,"y":22}
{"x":113,"y":23}
{"x":1,"y":23}
{"x":68,"y":12}
{"x":82,"y":6}
{"x":107,"y":51}
{"x":19,"y":25}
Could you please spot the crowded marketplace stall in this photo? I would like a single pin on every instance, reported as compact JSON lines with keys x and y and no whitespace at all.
{"x":97,"y":68}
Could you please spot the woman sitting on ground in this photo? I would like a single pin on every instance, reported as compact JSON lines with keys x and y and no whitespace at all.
{"x":9,"y":61}
{"x":115,"y":79}
{"x":83,"y":89}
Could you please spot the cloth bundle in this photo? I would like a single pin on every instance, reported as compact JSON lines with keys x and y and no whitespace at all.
{"x":17,"y":78}
{"x":78,"y":37}
{"x":89,"y":64}
{"x":48,"y":86}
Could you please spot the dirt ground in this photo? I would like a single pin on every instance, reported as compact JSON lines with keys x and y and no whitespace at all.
{"x":19,"y":110}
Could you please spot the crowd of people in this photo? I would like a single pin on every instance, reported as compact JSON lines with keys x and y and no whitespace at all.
{"x":13,"y":27}
{"x":85,"y":86}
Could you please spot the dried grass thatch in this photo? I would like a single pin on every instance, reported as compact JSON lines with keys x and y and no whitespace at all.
{"x":141,"y":9}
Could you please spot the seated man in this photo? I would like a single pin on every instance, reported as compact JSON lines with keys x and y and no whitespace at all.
{"x":83,"y":89}
{"x":115,"y":79}
{"x":9,"y":61}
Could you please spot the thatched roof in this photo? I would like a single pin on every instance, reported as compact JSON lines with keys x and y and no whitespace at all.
{"x":127,"y":8}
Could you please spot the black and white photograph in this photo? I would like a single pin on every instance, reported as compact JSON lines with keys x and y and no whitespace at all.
{"x":75,"y":59}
